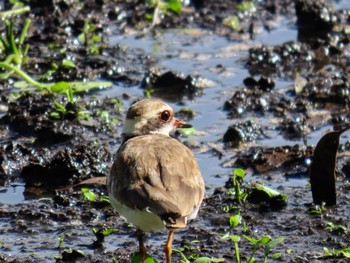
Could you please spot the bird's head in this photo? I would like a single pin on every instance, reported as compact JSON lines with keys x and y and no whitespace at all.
{"x":151,"y":116}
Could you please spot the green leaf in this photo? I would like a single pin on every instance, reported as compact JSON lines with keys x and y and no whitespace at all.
{"x":271,"y":193}
{"x":251,"y":240}
{"x":276,"y":255}
{"x":68,"y":63}
{"x":81,"y":86}
{"x":275,"y":242}
{"x":81,"y":38}
{"x":187,"y":131}
{"x":272,"y":244}
{"x":55,"y":115}
{"x":239,"y":172}
{"x":264,"y":239}
{"x":77,"y":86}
{"x":235,"y":220}
{"x":326,"y":251}
{"x":231,"y":22}
{"x":109,"y":231}
{"x":235,"y":239}
{"x":59,"y":106}
{"x":104,"y":198}
{"x":60,"y":87}
{"x":335,"y":228}
{"x":136,"y":258}
{"x":174,"y":6}
{"x":246,"y":6}
{"x":207,"y":260}
{"x":88,"y":194}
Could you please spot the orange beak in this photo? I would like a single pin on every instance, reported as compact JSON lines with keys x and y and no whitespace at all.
{"x":181,"y":124}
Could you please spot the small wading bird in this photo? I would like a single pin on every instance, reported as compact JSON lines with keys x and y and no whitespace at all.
{"x":155,"y":182}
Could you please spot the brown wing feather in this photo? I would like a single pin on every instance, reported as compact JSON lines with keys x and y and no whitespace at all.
{"x":158,"y":173}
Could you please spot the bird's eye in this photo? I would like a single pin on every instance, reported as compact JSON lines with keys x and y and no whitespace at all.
{"x":165,"y":116}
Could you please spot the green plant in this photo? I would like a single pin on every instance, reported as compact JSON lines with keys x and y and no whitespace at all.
{"x":60,"y":242}
{"x":232,"y":22}
{"x":15,"y":51}
{"x":335,"y":228}
{"x":90,"y":38}
{"x":235,"y":239}
{"x":235,"y":220}
{"x":117,"y":103}
{"x":187,"y":131}
{"x":136,"y":258}
{"x":337,"y":253}
{"x":100,"y":234}
{"x":162,"y":7}
{"x":259,"y":193}
{"x":148,"y":92}
{"x":246,"y":6}
{"x":88,"y":194}
{"x":318,"y":209}
{"x":77,"y":253}
{"x":264,"y":241}
{"x":193,"y":257}
{"x":237,"y":181}
{"x":70,"y":251}
{"x":184,"y":259}
{"x":18,"y":9}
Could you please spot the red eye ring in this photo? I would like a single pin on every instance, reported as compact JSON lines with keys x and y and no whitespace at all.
{"x":165,"y":115}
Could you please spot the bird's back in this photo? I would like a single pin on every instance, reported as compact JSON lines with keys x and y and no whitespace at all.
{"x":157,"y":173}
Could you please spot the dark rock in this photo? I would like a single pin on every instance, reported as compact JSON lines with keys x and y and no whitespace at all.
{"x":170,"y":85}
{"x":315,"y":18}
{"x":241,"y":133}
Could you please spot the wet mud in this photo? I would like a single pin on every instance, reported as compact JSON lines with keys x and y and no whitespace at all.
{"x":50,"y":156}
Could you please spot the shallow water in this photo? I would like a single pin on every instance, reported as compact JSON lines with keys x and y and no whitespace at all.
{"x":199,"y":53}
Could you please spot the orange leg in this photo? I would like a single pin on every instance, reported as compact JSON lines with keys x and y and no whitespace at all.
{"x":142,"y":248}
{"x":168,"y":246}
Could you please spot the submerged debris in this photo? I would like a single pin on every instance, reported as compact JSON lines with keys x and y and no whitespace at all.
{"x":266,"y":159}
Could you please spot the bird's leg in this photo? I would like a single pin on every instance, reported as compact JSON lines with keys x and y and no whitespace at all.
{"x":142,"y":248}
{"x":168,"y":246}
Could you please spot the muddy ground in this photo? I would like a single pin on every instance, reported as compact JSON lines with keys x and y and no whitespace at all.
{"x":48,"y":155}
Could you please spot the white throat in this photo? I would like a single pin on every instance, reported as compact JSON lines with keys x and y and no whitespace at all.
{"x":165,"y":130}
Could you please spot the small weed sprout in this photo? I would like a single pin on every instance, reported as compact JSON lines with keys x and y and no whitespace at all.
{"x":264,"y":241}
{"x":88,"y":194}
{"x":100,"y":234}
{"x":318,"y":209}
{"x":335,"y":228}
{"x":148,"y":93}
{"x":161,"y":8}
{"x":336,"y":253}
{"x":90,"y":38}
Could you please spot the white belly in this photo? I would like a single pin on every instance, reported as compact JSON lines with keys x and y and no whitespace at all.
{"x":143,"y":219}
